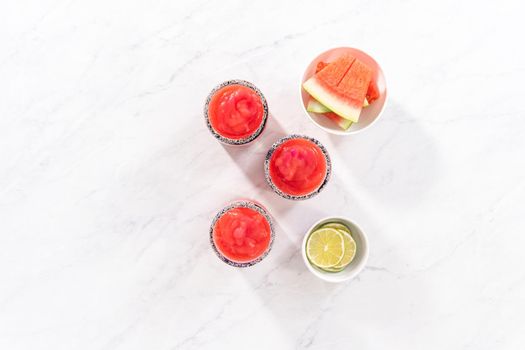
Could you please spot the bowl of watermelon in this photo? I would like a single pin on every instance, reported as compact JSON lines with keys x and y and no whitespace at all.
{"x":343,"y":91}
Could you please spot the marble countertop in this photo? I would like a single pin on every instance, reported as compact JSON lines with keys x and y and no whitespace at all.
{"x":109,"y":178}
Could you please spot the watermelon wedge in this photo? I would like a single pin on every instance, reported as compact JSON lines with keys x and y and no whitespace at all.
{"x":341,"y":122}
{"x":341,"y":86}
{"x":354,"y":85}
{"x":333,"y":73}
{"x":372,"y":93}
{"x":316,"y":107}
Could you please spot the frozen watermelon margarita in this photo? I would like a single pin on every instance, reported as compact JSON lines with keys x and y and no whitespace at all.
{"x":242,"y":233}
{"x":297,"y":167}
{"x":236,"y":112}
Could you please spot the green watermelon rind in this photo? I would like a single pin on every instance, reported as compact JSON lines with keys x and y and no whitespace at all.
{"x":343,"y":123}
{"x":315,"y":106}
{"x":336,"y":104}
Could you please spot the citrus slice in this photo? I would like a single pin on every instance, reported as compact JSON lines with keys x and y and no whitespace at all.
{"x":333,"y":269}
{"x":337,"y":226}
{"x":349,"y":251}
{"x":325,"y":247}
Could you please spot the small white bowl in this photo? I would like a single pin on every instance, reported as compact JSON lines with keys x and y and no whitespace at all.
{"x":361,"y":255}
{"x":369,"y":114}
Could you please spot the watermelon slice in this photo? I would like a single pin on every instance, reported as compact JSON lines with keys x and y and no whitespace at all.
{"x":316,"y":107}
{"x":341,"y":86}
{"x":334,"y":72}
{"x":353,"y":87}
{"x":341,"y":122}
{"x":372,"y":93}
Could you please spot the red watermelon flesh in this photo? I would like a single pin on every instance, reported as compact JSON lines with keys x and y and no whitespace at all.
{"x":341,"y":86}
{"x":372,"y":93}
{"x":354,"y":85}
{"x":333,"y":73}
{"x":320,"y":65}
{"x":341,"y":122}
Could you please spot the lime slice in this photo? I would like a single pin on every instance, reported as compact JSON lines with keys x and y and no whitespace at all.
{"x":349,"y":251}
{"x":337,"y":226}
{"x":325,"y":247}
{"x":333,"y":269}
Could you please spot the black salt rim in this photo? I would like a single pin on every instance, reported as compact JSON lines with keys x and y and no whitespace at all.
{"x":259,"y":129}
{"x":267,"y":168}
{"x":242,"y":204}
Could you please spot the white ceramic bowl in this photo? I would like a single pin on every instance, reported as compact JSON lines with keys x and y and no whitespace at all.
{"x":368,"y":115}
{"x":355,"y":266}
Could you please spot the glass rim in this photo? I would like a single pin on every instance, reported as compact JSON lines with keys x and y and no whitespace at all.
{"x":249,"y":138}
{"x":242,"y":204}
{"x":291,"y":196}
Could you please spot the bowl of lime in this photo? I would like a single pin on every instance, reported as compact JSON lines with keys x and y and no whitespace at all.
{"x":335,"y":249}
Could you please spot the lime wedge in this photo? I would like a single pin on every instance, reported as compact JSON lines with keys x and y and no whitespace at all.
{"x":349,"y":251}
{"x":337,"y":226}
{"x":325,"y":247}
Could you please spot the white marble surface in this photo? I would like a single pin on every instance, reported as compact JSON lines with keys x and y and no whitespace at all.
{"x":109,"y":178}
